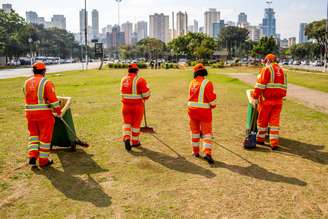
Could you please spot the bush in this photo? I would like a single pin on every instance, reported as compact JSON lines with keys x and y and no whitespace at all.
{"x":218,"y":65}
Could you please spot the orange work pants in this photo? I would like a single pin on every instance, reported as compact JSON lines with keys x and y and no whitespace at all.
{"x":40,"y":136}
{"x":200,"y":128}
{"x":132,"y":118}
{"x":269,"y":116}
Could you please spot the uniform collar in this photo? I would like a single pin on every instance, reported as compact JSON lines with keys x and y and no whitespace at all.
{"x":38,"y":75}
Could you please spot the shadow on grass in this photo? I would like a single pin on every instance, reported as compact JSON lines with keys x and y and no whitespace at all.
{"x":311,"y":152}
{"x":178,"y":164}
{"x":73,"y":187}
{"x":257,"y":172}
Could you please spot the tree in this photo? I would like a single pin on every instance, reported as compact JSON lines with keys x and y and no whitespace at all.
{"x":233,"y":39}
{"x":193,"y":46}
{"x":265,"y":46}
{"x":151,"y":48}
{"x":316,"y":30}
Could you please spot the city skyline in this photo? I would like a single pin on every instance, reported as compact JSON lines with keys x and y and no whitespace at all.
{"x":287,"y":12}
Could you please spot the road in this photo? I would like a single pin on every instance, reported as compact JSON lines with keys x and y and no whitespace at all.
{"x":307,"y":67}
{"x":314,"y":99}
{"x":26,"y":72}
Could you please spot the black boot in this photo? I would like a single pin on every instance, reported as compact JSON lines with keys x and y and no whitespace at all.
{"x":50,"y":162}
{"x":260,"y":143}
{"x":136,"y":145}
{"x":127,"y":145}
{"x":32,"y":162}
{"x":209,"y":159}
{"x":196,"y":155}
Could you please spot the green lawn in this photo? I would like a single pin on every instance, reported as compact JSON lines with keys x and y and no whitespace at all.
{"x":104,"y":181}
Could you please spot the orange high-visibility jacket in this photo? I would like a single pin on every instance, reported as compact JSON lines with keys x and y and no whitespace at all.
{"x":271,"y":83}
{"x":202,"y":97}
{"x":134,"y":89}
{"x":40,"y":98}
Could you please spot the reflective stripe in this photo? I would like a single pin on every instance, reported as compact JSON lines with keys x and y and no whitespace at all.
{"x":207,"y":145}
{"x":260,"y":86}
{"x":130,"y":96}
{"x":200,"y":103}
{"x":213,"y":103}
{"x":135,"y":138}
{"x":195,"y":135}
{"x":276,"y":85}
{"x":208,"y":136}
{"x":274,"y":128}
{"x":41,"y":87}
{"x":126,"y":126}
{"x":134,"y":95}
{"x":134,"y":85}
{"x":55,"y":104}
{"x":126,"y":133}
{"x":33,"y":147}
{"x":262,"y":129}
{"x":44,"y":155}
{"x":260,"y":135}
{"x":33,"y":138}
{"x":31,"y":107}
{"x":274,"y":136}
{"x":195,"y":144}
{"x":272,"y":74}
{"x":135,"y":130}
{"x":147,"y":94}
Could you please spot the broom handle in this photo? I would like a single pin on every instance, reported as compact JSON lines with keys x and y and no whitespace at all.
{"x":145,"y":118}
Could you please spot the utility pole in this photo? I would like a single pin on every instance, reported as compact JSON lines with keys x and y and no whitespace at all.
{"x":326,"y":41}
{"x":86,"y":34}
{"x":118,"y":11}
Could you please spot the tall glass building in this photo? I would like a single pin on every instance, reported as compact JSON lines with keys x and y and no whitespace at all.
{"x":269,"y":23}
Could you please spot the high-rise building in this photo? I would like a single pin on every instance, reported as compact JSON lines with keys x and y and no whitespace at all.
{"x":211,"y":16}
{"x":141,"y":29}
{"x":201,"y":29}
{"x":269,"y":23}
{"x":7,"y":7}
{"x":41,"y":20}
{"x":284,"y":43}
{"x":127,"y":28}
{"x":302,"y":37}
{"x":83,"y":24}
{"x":196,"y":29}
{"x":107,"y":29}
{"x":32,"y":17}
{"x":159,"y":27}
{"x":254,"y":33}
{"x":242,"y":20}
{"x":217,"y":27}
{"x":182,"y":23}
{"x":95,"y":24}
{"x":291,"y":41}
{"x":190,"y":29}
{"x":116,"y":38}
{"x":58,"y":21}
{"x":230,"y":24}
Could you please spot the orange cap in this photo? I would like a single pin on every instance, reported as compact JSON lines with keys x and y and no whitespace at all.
{"x":39,"y":66}
{"x":198,"y":67}
{"x":133,"y":66}
{"x":270,"y":57}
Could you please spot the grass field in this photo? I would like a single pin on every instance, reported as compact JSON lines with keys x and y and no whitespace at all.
{"x":104,"y":181}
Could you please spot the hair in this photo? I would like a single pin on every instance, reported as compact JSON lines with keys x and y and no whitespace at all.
{"x":133,"y":70}
{"x":38,"y":71}
{"x":202,"y":72}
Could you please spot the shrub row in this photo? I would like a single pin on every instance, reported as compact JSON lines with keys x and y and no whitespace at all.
{"x":120,"y":66}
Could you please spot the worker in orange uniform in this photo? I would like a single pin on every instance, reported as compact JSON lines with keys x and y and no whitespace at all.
{"x":40,"y":100}
{"x":202,"y":99}
{"x":134,"y":92}
{"x":270,"y":89}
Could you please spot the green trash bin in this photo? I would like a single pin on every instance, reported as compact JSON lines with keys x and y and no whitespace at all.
{"x":62,"y":136}
{"x":251,"y":123}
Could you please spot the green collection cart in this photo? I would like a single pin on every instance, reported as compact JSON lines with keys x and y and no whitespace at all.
{"x":251,"y":122}
{"x":64,"y":134}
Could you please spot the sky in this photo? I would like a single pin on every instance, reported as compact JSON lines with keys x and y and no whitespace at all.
{"x":289,"y":13}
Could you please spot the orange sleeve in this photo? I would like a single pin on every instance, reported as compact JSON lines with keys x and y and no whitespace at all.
{"x":263,"y":79}
{"x":143,"y":88}
{"x":51,"y":97}
{"x":210,"y":94}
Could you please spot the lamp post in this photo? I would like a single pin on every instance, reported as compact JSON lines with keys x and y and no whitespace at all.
{"x":86,"y":34}
{"x":30,"y":41}
{"x":118,"y":11}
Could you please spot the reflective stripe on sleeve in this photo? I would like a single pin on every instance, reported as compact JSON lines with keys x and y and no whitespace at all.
{"x":260,"y":86}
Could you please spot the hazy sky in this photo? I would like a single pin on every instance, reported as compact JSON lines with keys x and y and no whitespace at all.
{"x":289,"y":13}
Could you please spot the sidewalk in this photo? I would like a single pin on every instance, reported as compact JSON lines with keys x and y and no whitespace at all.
{"x":316,"y":100}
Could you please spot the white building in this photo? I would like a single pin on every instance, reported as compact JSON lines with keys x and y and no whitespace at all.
{"x":127,"y":28}
{"x":182,"y":23}
{"x":284,"y":43}
{"x":141,"y":29}
{"x":302,"y":37}
{"x":159,"y":27}
{"x":7,"y":7}
{"x":31,"y":17}
{"x":58,"y":21}
{"x":291,"y":41}
{"x":83,"y":24}
{"x":254,"y":33}
{"x":107,"y":29}
{"x":196,"y":29}
{"x":242,"y":20}
{"x":95,"y":24}
{"x":211,"y":16}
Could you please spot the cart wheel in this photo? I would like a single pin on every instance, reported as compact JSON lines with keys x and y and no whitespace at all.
{"x":73,"y":147}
